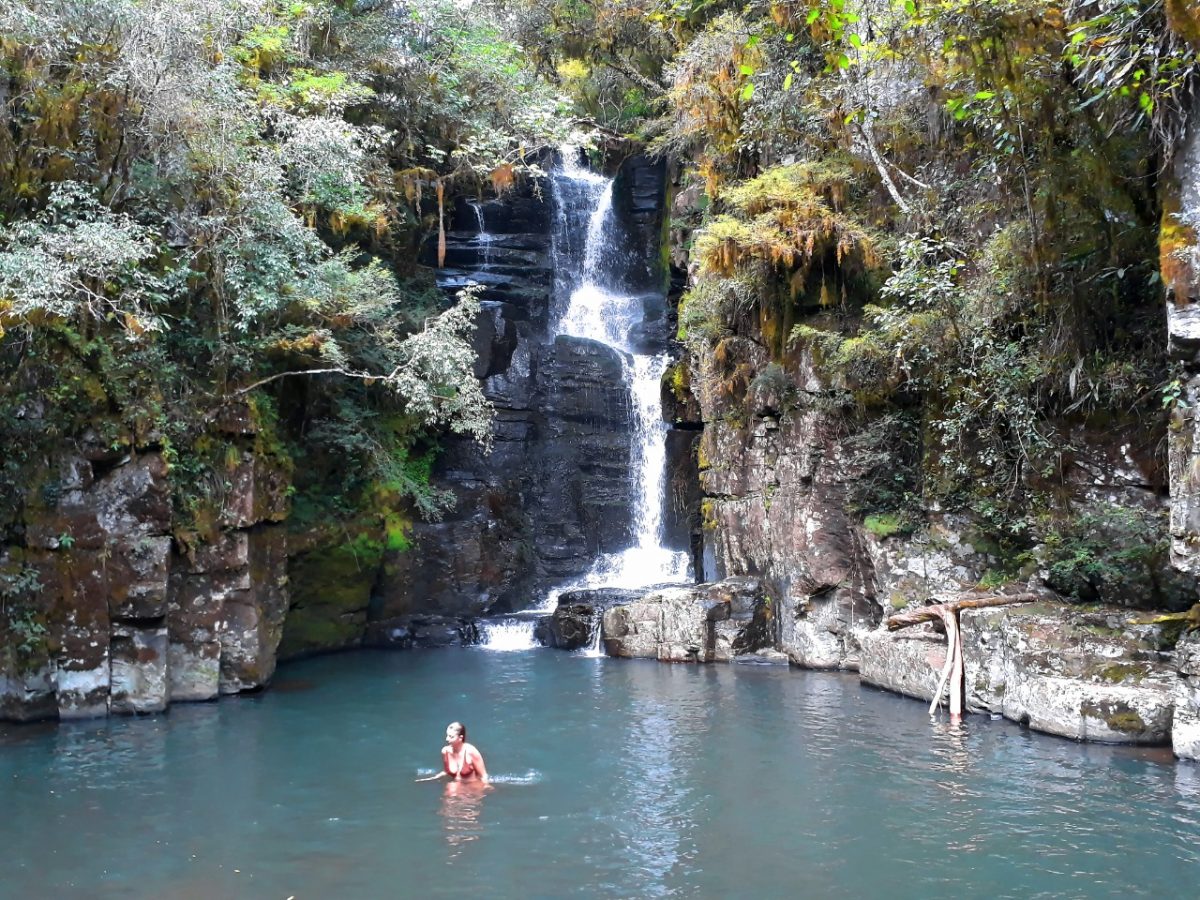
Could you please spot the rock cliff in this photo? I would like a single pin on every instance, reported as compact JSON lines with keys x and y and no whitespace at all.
{"x":125,"y":611}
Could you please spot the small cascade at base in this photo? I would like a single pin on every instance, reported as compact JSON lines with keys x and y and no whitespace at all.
{"x":507,"y":634}
{"x":483,"y":238}
{"x":595,"y":649}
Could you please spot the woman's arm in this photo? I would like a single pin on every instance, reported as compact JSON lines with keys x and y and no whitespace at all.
{"x":480,"y":767}
{"x":442,"y":773}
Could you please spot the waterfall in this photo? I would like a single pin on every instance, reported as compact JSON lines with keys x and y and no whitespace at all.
{"x":484,"y":239}
{"x":598,"y":309}
{"x":589,"y":302}
{"x":509,"y":633}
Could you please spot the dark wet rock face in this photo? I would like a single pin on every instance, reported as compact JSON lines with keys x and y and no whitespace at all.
{"x":574,"y":621}
{"x":638,"y":193}
{"x":120,"y":619}
{"x":556,"y":488}
{"x":422,"y":631}
{"x":569,"y":627}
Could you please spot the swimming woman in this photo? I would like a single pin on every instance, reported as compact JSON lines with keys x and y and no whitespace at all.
{"x":460,"y":761}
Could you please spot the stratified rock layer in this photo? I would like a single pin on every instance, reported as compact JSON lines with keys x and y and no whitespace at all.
{"x":132,"y":624}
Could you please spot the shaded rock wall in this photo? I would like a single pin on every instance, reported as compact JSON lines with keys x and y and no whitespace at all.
{"x":1181,"y":269}
{"x":132,"y":623}
{"x":555,"y":488}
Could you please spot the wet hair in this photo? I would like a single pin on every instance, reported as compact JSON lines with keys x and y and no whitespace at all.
{"x":462,"y":729}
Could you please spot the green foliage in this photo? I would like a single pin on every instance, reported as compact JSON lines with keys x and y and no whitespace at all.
{"x":205,"y":206}
{"x":1127,"y":57}
{"x":708,"y":308}
{"x":885,"y":525}
{"x":884,"y":453}
{"x":23,"y":632}
{"x":1114,"y":554}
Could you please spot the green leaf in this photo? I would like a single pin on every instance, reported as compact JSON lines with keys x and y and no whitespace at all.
{"x":748,"y":91}
{"x":856,"y":41}
{"x":910,"y":7}
{"x":787,"y":82}
{"x":843,"y":61}
{"x":984,"y":95}
{"x":745,"y":69}
{"x":812,"y":16}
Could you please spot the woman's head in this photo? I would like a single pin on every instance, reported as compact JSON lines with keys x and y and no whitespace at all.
{"x":455,"y":730}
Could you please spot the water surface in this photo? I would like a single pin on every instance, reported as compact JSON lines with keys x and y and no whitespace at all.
{"x":618,"y":778}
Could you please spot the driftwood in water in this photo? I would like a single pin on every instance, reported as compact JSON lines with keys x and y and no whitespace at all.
{"x":947,"y":614}
{"x":929,"y":613}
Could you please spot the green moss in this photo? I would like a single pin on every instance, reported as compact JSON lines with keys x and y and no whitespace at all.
{"x":884,"y":525}
{"x":331,"y":589}
{"x":397,"y":529}
{"x":1117,"y":716}
{"x":1128,"y":721}
{"x":994,"y":578}
{"x":1119,"y":672}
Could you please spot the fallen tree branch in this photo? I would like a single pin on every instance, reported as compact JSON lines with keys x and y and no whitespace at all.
{"x":929,"y":613}
{"x":947,"y":613}
{"x":952,"y":650}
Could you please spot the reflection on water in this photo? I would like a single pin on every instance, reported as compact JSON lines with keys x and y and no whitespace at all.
{"x":618,"y":779}
{"x":462,"y":803}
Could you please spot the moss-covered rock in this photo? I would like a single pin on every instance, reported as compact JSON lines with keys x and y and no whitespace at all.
{"x":330,"y":588}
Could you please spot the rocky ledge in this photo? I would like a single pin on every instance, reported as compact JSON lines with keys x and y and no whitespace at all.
{"x":1094,"y":673}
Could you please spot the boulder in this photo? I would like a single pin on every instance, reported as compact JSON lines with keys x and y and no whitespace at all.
{"x":704,"y":623}
{"x":572,"y":624}
{"x":422,"y":631}
{"x":1081,"y":674}
{"x":569,"y":627}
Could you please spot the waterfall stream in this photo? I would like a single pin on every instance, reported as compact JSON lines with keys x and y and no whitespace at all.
{"x":483,"y":239}
{"x":590,"y":302}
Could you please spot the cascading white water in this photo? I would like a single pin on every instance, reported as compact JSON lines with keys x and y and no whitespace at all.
{"x":586,"y":278}
{"x":483,"y":239}
{"x":508,"y":634}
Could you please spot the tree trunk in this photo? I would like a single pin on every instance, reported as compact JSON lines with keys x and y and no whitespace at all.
{"x":929,"y":613}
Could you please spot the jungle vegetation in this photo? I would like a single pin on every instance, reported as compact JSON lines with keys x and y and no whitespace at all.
{"x":211,"y":211}
{"x":955,"y":208}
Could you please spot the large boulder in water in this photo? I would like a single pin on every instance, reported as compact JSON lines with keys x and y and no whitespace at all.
{"x":701,"y":623}
{"x":1088,"y":674}
{"x":569,"y":627}
{"x":572,"y":624}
